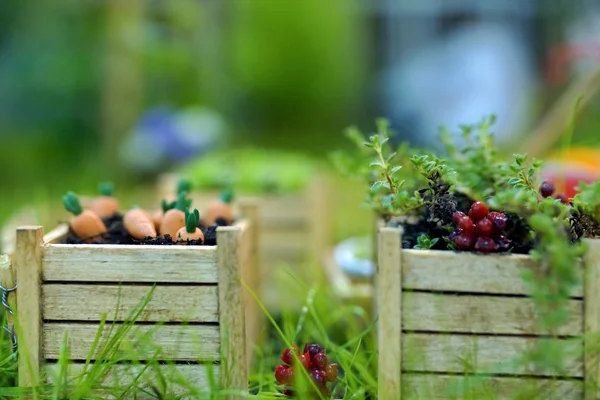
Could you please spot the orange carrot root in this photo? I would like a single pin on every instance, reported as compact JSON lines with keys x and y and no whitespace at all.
{"x":183,"y":235}
{"x":88,"y":226}
{"x":139,"y":224}
{"x":172,"y":221}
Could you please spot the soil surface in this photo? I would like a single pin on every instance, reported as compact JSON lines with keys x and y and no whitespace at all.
{"x":117,"y":234}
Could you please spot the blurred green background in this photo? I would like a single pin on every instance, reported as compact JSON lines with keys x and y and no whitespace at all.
{"x":77,"y":76}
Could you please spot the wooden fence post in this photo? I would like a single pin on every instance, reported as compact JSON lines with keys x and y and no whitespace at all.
{"x":28,"y":316}
{"x":234,"y":367}
{"x":389,"y":306}
{"x":592,"y":321}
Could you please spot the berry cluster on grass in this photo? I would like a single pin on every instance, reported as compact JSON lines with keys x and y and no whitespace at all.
{"x":313,"y":360}
{"x":480,"y":230}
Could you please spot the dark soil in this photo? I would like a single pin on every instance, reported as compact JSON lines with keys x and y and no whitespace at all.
{"x":117,"y":234}
{"x":435,"y":220}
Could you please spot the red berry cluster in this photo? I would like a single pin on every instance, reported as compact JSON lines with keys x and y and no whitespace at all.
{"x":547,"y":189}
{"x":314,"y":360}
{"x":480,"y":230}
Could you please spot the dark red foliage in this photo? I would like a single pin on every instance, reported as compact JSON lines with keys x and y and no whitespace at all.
{"x":547,"y":189}
{"x":478,"y":211}
{"x":314,"y":360}
{"x":485,"y":234}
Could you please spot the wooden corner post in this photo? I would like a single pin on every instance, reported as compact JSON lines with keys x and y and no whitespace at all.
{"x":592,"y":321}
{"x":389,"y":306}
{"x":28,"y":316}
{"x":234,"y":367}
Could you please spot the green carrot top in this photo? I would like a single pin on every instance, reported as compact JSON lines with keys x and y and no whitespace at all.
{"x":191,"y":220}
{"x":72,"y":204}
{"x":182,"y":201}
{"x":184,"y":185}
{"x":106,"y":188}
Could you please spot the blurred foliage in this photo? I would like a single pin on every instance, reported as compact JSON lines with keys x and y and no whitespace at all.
{"x":252,"y":171}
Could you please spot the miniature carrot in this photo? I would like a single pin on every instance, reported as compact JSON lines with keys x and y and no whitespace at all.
{"x":190,"y":231}
{"x":86,"y":224}
{"x":174,"y":218}
{"x":139,"y":224}
{"x":105,"y":205}
{"x":220,"y":208}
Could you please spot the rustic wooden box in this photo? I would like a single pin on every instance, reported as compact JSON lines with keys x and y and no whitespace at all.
{"x":294,"y":228}
{"x":204,"y":313}
{"x":440,"y":311}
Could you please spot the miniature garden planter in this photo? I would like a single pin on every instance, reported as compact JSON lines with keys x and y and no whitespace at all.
{"x":200,"y":310}
{"x":294,"y":228}
{"x":439,"y":308}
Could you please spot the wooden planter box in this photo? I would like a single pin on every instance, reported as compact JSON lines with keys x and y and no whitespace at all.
{"x":442,"y":313}
{"x":294,"y":229}
{"x":199,"y":312}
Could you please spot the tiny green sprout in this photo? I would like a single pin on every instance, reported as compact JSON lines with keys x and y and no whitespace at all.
{"x":424,"y":242}
{"x":227,"y":196}
{"x":167,"y":206}
{"x":72,"y":204}
{"x":182,"y":202}
{"x":106,"y":188}
{"x":184,"y":185}
{"x":191,"y":220}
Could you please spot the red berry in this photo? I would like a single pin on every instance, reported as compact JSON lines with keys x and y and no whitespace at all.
{"x":331,"y":372}
{"x":485,"y":244}
{"x":305,"y":360}
{"x":287,"y":356}
{"x":478,"y":211}
{"x":563,"y":198}
{"x":547,"y":189}
{"x":312,"y":349}
{"x":466,"y":224}
{"x":485,"y":227}
{"x":282,"y":374}
{"x":319,"y":377}
{"x":288,"y":392}
{"x":498,"y":220}
{"x":463,"y":241}
{"x":457,"y":216}
{"x":319,"y":361}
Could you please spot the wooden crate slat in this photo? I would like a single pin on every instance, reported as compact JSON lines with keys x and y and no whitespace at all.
{"x":177,"y":342}
{"x":126,"y":263}
{"x":480,"y":314}
{"x":76,"y":302}
{"x":464,"y":272}
{"x":449,"y":387}
{"x":485,"y":354}
{"x":180,"y":377}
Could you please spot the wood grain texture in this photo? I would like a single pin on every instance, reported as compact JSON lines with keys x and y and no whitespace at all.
{"x":175,"y":342}
{"x":464,"y":272}
{"x":389,"y":300}
{"x":126,"y":263}
{"x":179,"y":377}
{"x":234,"y":367}
{"x":484,"y":354}
{"x":28,"y":267}
{"x":481,"y":314}
{"x":448,"y":387}
{"x":592,"y":320}
{"x":168,"y":303}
